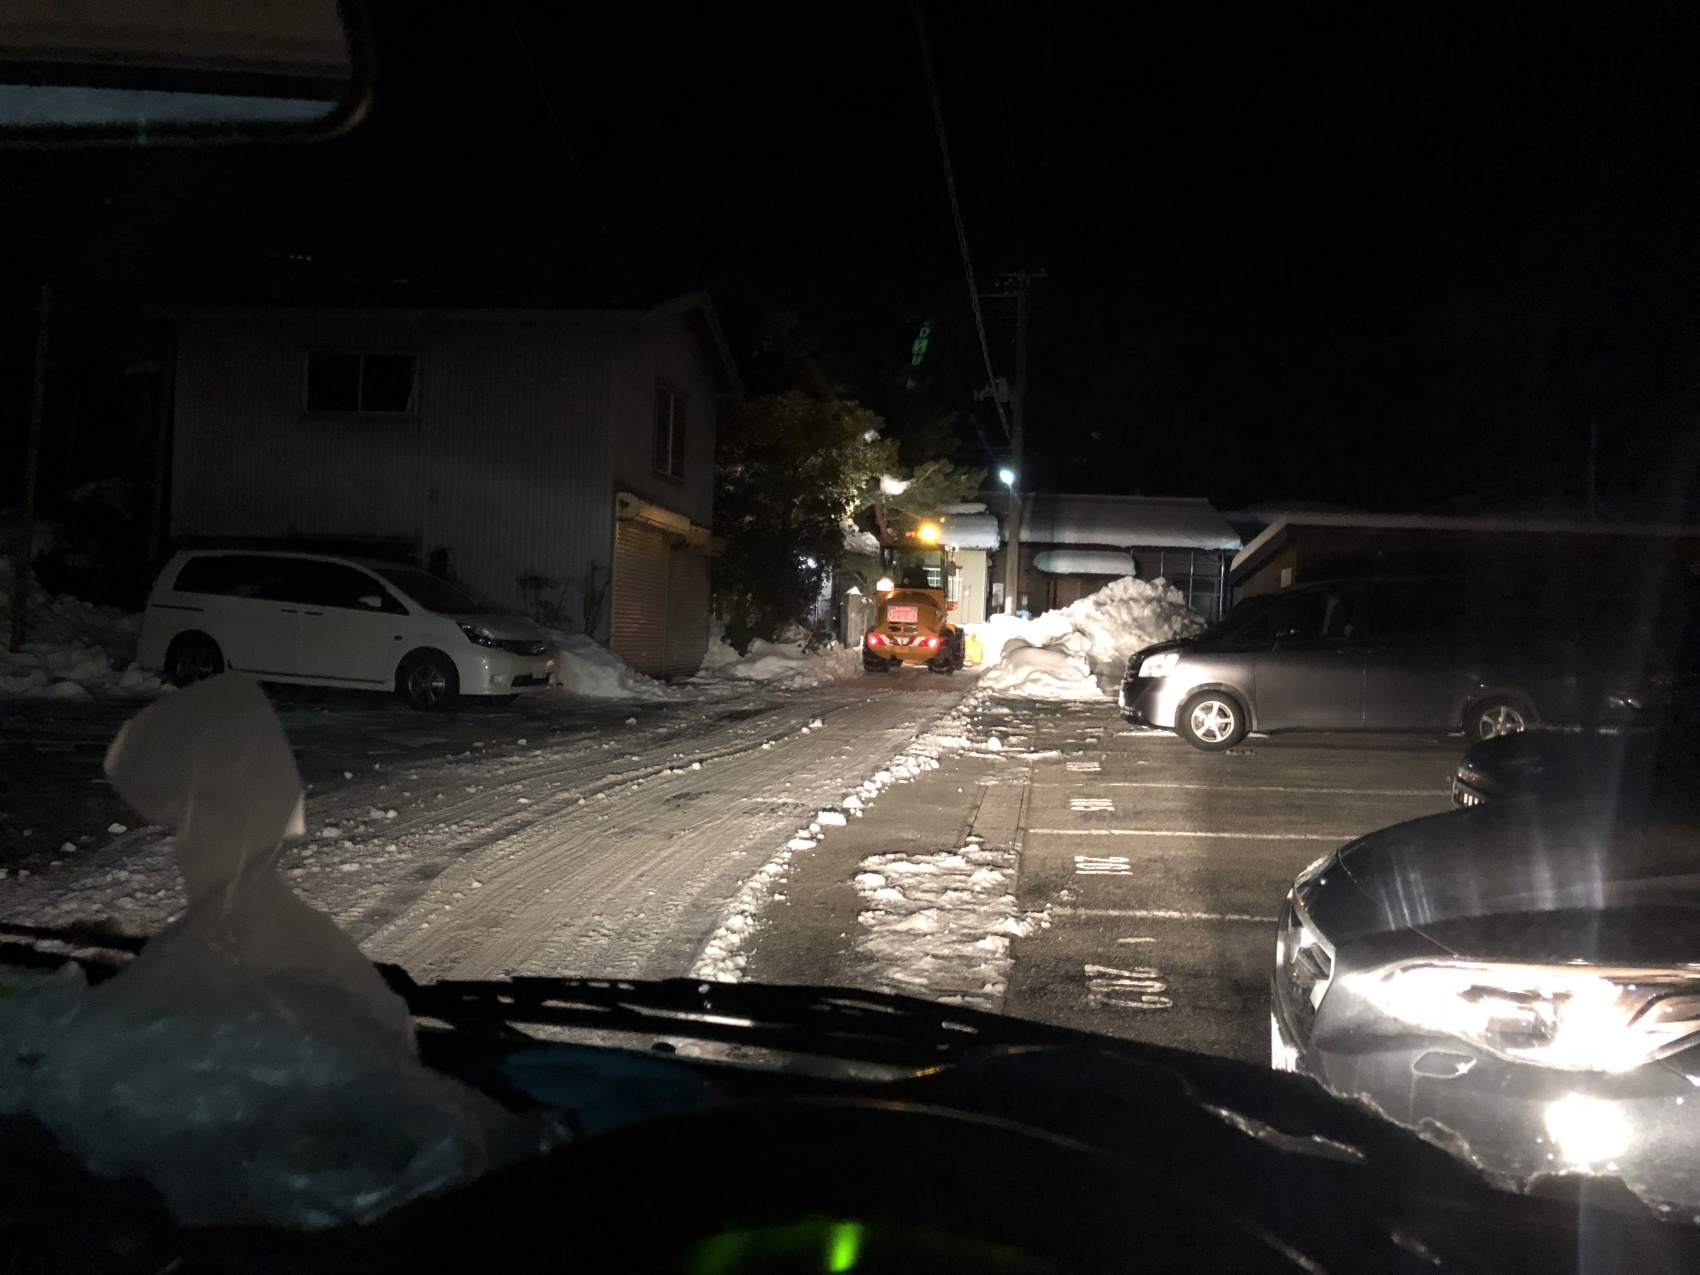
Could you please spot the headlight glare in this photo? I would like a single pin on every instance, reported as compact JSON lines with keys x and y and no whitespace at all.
{"x":1575,"y":1018}
{"x":1159,"y":665}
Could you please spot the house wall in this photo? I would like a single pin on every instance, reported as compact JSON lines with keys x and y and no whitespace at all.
{"x":668,"y":351}
{"x":508,"y":463}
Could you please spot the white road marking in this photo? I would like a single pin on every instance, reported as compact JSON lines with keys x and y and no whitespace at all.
{"x":1088,"y":865}
{"x":1137,"y":988}
{"x":1215,"y":836}
{"x":1085,"y":765}
{"x":1162,"y":914}
{"x":1091,"y":803}
{"x":1350,"y":792}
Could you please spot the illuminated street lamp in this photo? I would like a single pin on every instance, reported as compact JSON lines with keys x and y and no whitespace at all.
{"x":1007,"y":478}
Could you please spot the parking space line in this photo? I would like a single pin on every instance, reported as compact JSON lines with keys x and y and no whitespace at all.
{"x":1163,"y":914}
{"x":1349,"y":792}
{"x":1214,"y":836}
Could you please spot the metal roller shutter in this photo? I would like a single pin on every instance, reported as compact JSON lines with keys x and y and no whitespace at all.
{"x":639,"y":615}
{"x":687,"y":612}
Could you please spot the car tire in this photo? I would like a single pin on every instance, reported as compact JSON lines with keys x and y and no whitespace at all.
{"x":193,"y":657}
{"x":875,"y":664}
{"x":1212,"y":721}
{"x":428,"y":681}
{"x":1497,"y":715}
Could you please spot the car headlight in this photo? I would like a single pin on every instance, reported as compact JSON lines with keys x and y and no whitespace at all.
{"x":477,"y":636}
{"x":1159,"y":665}
{"x":1576,"y":1018}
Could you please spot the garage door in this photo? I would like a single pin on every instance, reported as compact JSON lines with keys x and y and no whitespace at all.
{"x":660,"y":605}
{"x":639,"y":621}
{"x":687,"y":612}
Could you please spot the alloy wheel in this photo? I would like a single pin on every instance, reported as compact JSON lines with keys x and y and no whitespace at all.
{"x":1212,"y":721}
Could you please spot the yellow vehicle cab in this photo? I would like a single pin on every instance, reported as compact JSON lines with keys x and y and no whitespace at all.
{"x":910,"y":626}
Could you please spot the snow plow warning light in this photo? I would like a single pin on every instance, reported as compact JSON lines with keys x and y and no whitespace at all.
{"x":929,"y":533}
{"x":884,"y":585}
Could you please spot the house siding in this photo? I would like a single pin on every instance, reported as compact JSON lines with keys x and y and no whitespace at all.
{"x":507,"y":464}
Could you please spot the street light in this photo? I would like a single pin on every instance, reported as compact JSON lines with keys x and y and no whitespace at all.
{"x":1007,"y":478}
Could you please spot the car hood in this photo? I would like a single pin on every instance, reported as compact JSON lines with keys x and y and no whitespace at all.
{"x":1528,"y":882}
{"x":504,"y":627}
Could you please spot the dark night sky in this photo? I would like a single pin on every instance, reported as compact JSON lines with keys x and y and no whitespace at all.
{"x":1393,"y":260}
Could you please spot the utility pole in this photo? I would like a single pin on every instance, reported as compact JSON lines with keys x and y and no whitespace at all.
{"x":1018,"y":413}
{"x":1593,"y":468}
{"x":23,"y":571}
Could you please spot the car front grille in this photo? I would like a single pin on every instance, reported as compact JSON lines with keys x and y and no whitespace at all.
{"x":522,"y":646}
{"x":1307,"y":968}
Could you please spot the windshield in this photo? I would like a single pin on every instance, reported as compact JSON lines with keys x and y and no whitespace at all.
{"x":1291,"y":408}
{"x":441,"y":596}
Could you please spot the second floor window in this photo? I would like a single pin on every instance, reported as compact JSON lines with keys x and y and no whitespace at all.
{"x":669,"y":431}
{"x":373,"y":384}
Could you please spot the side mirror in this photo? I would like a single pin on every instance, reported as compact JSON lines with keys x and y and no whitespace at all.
{"x":148,"y":72}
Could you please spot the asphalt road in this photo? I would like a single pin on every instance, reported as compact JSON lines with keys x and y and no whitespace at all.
{"x":1158,"y":869}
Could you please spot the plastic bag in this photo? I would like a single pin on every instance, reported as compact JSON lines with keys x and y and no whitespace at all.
{"x":250,"y":1063}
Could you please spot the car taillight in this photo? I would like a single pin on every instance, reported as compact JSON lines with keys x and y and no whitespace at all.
{"x":875,"y":639}
{"x":932,"y":641}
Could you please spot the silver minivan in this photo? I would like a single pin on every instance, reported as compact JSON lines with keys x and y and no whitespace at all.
{"x":314,"y":619}
{"x":1366,"y":655}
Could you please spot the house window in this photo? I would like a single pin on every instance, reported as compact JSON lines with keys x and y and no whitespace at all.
{"x":371,"y":384}
{"x":669,"y":431}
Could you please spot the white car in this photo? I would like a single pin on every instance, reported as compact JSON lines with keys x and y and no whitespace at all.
{"x":316,"y":620}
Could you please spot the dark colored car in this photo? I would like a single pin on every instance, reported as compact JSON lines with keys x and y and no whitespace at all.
{"x":1408,"y":654}
{"x":1612,"y":766}
{"x":1519,"y":981}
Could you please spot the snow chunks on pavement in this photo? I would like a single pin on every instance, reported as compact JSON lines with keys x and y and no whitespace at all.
{"x":940,"y":925}
{"x":723,"y":957}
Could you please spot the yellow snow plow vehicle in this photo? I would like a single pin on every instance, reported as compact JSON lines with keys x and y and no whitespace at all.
{"x":910,"y":626}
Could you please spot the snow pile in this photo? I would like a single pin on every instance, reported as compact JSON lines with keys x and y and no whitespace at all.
{"x":1105,"y":627}
{"x":941,"y":924}
{"x":1042,"y":672}
{"x":75,"y":649}
{"x":587,"y":669}
{"x":722,"y":958}
{"x":780,"y":663}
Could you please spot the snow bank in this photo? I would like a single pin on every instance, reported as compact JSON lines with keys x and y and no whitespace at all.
{"x":587,"y":669}
{"x":1105,"y":627}
{"x":1058,"y":655}
{"x":75,"y":650}
{"x":1042,"y":672}
{"x":779,"y":663}
{"x":941,"y":924}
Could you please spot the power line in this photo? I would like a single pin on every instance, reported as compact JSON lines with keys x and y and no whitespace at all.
{"x":561,"y":133}
{"x":956,"y":211}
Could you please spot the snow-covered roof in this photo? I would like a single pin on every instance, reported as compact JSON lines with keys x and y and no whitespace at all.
{"x":1085,"y":562}
{"x":1160,"y":522}
{"x":1275,"y":535}
{"x":970,"y":531}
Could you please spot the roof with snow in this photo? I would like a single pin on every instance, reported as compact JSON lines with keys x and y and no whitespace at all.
{"x":970,"y":530}
{"x":1158,"y":522}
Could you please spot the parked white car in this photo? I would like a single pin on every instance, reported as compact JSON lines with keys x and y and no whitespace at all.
{"x":317,"y":620}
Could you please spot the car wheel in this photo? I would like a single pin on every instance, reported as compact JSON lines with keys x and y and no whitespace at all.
{"x":1212,"y":721}
{"x":193,"y":657}
{"x":428,"y":680}
{"x":1498,"y":716}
